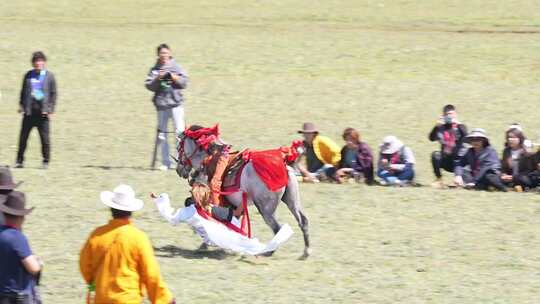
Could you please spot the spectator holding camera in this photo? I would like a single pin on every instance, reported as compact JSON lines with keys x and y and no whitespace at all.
{"x":37,"y":103}
{"x":167,"y":80}
{"x":449,"y":132}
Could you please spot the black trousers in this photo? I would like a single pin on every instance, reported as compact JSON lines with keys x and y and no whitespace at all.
{"x":42,"y":124}
{"x":489,"y":179}
{"x":441,"y":161}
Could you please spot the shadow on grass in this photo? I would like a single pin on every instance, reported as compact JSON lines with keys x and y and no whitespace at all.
{"x":170,"y":251}
{"x":139,"y":168}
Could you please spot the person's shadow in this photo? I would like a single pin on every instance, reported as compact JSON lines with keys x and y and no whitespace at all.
{"x":104,"y":167}
{"x":171,"y":251}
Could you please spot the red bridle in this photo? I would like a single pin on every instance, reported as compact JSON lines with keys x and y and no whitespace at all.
{"x":182,"y":158}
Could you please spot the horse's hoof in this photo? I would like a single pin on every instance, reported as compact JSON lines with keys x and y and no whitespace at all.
{"x":203,"y":247}
{"x":267,"y":254}
{"x":307,"y":253}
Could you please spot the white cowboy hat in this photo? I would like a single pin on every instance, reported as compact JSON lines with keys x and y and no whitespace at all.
{"x":390,"y":145}
{"x":477,"y":133}
{"x":122,"y":198}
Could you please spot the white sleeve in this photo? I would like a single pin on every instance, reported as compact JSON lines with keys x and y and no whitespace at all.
{"x":408,"y":155}
{"x":164,"y":207}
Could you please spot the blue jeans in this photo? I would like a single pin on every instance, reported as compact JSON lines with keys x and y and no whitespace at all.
{"x":392,"y":176}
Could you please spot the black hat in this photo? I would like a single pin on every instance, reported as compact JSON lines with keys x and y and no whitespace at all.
{"x":6,"y":180}
{"x":14,"y":203}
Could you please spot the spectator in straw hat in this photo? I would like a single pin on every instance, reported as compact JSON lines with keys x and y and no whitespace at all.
{"x":117,"y":261}
{"x":396,"y":162}
{"x":321,"y":154}
{"x":480,"y":167}
{"x":19,"y":267}
{"x":6,"y":185}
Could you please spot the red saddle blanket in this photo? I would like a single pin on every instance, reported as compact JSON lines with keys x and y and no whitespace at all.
{"x":270,"y":166}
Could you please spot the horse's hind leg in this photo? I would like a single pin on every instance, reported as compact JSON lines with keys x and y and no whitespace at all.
{"x":266,"y":204}
{"x":291,"y":198}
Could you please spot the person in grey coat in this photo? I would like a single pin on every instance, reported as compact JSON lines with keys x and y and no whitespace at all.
{"x":479,"y":167}
{"x":37,"y":103}
{"x":167,"y":80}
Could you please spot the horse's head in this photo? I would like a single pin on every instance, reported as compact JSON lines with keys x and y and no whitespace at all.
{"x":190,"y":156}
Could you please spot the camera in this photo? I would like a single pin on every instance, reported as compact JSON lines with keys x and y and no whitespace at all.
{"x":447,"y":120}
{"x":167,"y":76}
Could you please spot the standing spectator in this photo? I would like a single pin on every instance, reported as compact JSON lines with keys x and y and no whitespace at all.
{"x":480,"y":167}
{"x":356,"y":158}
{"x":117,"y":261}
{"x":167,"y":80}
{"x":37,"y":103}
{"x":449,"y":132}
{"x":396,"y":162}
{"x":321,"y":153}
{"x":18,"y":266}
{"x":7,"y":185}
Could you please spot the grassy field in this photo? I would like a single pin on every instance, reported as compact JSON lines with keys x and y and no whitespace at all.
{"x":260,"y":69}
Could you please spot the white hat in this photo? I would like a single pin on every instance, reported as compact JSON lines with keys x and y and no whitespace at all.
{"x":122,"y":198}
{"x":477,"y":133}
{"x":515,"y":126}
{"x":390,"y":145}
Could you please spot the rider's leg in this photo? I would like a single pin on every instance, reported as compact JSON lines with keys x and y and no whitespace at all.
{"x":215,"y":183}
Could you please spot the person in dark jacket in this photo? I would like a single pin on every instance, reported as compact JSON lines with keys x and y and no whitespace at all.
{"x":356,"y":158}
{"x":19,"y":267}
{"x":480,"y":166}
{"x":37,"y":103}
{"x":514,"y":173}
{"x":167,"y":80}
{"x":449,"y":132}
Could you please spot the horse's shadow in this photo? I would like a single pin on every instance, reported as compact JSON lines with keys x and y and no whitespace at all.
{"x":171,"y":251}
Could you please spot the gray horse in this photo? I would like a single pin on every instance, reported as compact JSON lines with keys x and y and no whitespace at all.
{"x":190,"y":163}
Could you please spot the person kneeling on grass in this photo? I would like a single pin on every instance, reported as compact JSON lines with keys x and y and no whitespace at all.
{"x":356,"y":159}
{"x":479,"y":168}
{"x":515,"y":166}
{"x":321,"y":153}
{"x":396,"y":162}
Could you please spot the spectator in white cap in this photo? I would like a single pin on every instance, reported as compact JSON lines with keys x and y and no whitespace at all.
{"x":480,"y":167}
{"x":396,"y":162}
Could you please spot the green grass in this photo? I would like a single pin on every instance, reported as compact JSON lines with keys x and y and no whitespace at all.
{"x":260,"y":69}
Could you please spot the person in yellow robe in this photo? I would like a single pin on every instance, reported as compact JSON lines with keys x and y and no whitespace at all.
{"x":117,"y":261}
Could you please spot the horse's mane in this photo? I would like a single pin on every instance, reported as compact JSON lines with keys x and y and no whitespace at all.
{"x":194,"y":127}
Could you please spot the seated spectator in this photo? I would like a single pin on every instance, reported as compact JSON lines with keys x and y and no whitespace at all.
{"x":19,"y":268}
{"x":396,"y":162}
{"x":449,"y":132}
{"x":117,"y":261}
{"x":356,"y":158}
{"x":479,"y":167}
{"x":6,"y":185}
{"x":530,"y":163}
{"x":321,"y":154}
{"x":514,"y":174}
